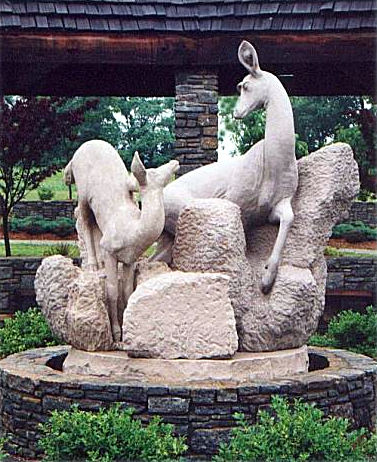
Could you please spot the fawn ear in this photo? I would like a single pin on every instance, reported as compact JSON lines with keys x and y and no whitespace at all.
{"x":248,"y":57}
{"x":138,"y":169}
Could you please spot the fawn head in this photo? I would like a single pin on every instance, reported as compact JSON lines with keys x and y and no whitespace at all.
{"x":153,"y":178}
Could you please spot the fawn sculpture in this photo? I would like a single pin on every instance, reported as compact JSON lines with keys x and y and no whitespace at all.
{"x":112,"y":226}
{"x":262,"y":182}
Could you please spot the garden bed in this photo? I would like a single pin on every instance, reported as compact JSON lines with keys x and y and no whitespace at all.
{"x":342,"y":243}
{"x":22,"y":236}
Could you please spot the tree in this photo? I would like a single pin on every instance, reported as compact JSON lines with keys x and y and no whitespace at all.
{"x":31,"y":132}
{"x":130,"y":124}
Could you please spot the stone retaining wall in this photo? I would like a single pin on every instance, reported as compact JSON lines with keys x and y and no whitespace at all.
{"x":50,"y":210}
{"x":364,"y":211}
{"x":17,"y":279}
{"x":346,"y":274}
{"x":17,"y":283}
{"x":204,"y":414}
{"x":191,"y":158}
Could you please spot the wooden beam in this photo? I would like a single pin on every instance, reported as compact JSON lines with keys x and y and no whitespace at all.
{"x":144,"y":65}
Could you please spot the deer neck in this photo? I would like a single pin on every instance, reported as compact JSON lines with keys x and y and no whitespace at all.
{"x":279,"y":140}
{"x":152,"y":217}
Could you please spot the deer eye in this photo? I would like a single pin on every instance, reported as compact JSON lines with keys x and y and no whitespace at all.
{"x":245,"y":86}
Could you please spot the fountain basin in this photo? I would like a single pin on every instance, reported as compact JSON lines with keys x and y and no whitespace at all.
{"x":33,"y":384}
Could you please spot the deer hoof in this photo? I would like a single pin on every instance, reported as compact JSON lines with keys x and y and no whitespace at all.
{"x":268,"y":279}
{"x":117,"y":334}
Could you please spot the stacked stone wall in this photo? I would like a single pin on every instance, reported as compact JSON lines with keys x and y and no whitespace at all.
{"x":205,"y":415}
{"x":49,"y":210}
{"x":196,"y":119}
{"x":365,"y":212}
{"x":17,"y":279}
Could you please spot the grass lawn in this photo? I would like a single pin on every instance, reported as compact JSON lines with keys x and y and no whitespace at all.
{"x":335,"y":252}
{"x":57,"y":186}
{"x":29,"y":249}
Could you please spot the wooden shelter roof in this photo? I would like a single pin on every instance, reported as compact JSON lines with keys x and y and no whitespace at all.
{"x":188,"y":15}
{"x":136,"y":46}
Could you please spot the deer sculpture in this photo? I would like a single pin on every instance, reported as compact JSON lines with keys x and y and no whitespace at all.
{"x":113,"y":228}
{"x":262,"y":182}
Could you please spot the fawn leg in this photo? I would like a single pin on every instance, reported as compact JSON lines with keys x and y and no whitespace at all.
{"x":112,"y":293}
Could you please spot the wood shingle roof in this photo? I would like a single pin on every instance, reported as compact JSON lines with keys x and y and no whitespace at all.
{"x":183,"y":16}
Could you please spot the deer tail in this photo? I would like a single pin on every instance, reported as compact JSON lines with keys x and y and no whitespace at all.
{"x":68,"y":174}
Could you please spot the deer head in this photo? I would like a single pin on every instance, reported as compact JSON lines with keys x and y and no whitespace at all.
{"x":153,"y":178}
{"x":253,"y":89}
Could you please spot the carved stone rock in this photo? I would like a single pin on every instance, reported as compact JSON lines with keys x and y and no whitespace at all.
{"x":73,"y":304}
{"x":209,"y":238}
{"x":181,"y":315}
{"x":148,"y":269}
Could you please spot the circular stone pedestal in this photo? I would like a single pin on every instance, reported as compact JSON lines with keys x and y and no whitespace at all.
{"x":32,"y":384}
{"x":241,"y":368}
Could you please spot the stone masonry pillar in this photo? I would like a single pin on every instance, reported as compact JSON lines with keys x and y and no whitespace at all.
{"x":195,"y":119}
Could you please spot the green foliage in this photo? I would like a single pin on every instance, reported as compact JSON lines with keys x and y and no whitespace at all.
{"x":62,"y":248}
{"x":62,"y":226}
{"x":351,"y":330}
{"x":3,"y":456}
{"x":129,"y":124}
{"x":25,"y":330}
{"x":58,"y":187}
{"x":296,"y":434}
{"x":33,"y":132}
{"x":355,"y":231}
{"x":109,"y":435}
{"x":45,"y":193}
{"x":366,"y":196}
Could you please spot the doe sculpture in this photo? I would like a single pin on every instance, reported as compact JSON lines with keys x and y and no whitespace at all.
{"x":113,"y":228}
{"x":262,"y":182}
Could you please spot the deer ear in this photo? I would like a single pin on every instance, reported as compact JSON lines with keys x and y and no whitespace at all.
{"x":138,"y":169}
{"x":248,"y":57}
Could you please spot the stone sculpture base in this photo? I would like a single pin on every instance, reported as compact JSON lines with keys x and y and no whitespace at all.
{"x":242,"y":368}
{"x":32,"y":385}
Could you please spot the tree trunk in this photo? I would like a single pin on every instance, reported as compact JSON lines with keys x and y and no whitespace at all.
{"x":6,"y":235}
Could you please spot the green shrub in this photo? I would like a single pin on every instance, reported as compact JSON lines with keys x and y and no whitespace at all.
{"x":38,"y":225}
{"x":45,"y":193}
{"x":25,"y":330}
{"x":351,"y":330}
{"x":109,"y":435}
{"x":3,"y":456}
{"x":355,"y":231}
{"x":366,"y":196}
{"x":62,"y":248}
{"x":296,"y":433}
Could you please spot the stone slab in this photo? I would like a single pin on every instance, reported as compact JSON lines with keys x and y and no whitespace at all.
{"x":181,"y":315}
{"x":242,"y":368}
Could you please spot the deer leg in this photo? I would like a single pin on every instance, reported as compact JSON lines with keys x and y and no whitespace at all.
{"x":87,"y":223}
{"x":112,"y":293}
{"x":164,"y":248}
{"x":126,"y":287}
{"x":282,"y":212}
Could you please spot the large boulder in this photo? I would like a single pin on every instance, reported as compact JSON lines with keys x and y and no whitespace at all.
{"x":180,"y":315}
{"x":210,"y":238}
{"x":73,"y":302}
